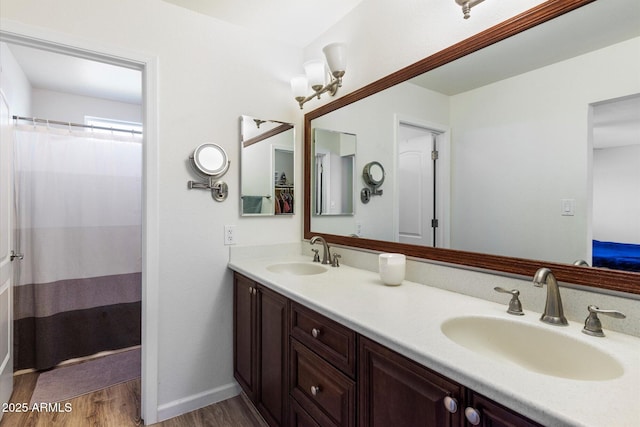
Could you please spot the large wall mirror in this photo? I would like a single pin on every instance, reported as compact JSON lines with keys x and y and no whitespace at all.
{"x":266,"y":170}
{"x":534,"y":129}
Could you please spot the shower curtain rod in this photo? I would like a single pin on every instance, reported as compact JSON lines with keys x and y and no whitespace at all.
{"x":69,"y":124}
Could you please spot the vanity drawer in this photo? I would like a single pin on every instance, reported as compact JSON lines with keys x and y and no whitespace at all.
{"x":334,"y":342}
{"x":321,"y":390}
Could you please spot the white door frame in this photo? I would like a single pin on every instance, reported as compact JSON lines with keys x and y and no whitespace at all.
{"x":36,"y":37}
{"x":443,"y":181}
{"x":7,"y":247}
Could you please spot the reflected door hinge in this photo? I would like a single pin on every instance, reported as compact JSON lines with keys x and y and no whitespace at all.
{"x":14,"y":255}
{"x":434,"y":155}
{"x":434,"y":223}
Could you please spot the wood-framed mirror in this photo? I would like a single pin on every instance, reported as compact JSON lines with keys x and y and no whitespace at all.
{"x":551,"y":17}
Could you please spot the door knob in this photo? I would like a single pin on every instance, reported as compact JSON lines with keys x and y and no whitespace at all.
{"x":451,"y":404}
{"x":473,"y":416}
{"x":15,"y":255}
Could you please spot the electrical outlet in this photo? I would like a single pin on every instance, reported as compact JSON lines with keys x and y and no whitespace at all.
{"x":229,"y":234}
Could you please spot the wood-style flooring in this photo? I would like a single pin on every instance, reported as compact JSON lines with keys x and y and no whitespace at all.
{"x":119,"y":406}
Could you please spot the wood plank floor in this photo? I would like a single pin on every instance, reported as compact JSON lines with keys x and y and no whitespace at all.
{"x":119,"y":406}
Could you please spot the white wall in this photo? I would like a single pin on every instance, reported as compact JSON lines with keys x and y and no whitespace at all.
{"x":534,"y":129}
{"x":616,"y":186}
{"x":206,"y":79}
{"x":52,"y":105}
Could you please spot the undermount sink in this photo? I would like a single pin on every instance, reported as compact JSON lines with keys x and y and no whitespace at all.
{"x":297,"y":268}
{"x":538,"y":349}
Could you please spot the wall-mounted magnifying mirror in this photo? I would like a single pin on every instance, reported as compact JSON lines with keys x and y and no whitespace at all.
{"x":373,"y":175}
{"x":267,"y":171}
{"x":334,"y":156}
{"x":210,"y":161}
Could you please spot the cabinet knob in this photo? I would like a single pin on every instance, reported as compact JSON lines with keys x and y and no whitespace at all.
{"x":315,"y":389}
{"x":473,"y":416}
{"x":315,"y":332}
{"x":451,"y":404}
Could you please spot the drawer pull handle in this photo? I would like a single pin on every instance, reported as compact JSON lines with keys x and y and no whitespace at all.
{"x":315,"y":332}
{"x":451,"y":404}
{"x":315,"y":389}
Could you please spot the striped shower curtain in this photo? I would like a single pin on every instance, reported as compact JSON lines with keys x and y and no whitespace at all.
{"x":78,"y":215}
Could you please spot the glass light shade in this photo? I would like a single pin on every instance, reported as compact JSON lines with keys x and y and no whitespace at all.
{"x":299,"y":86}
{"x":316,"y":72}
{"x":336,"y":54}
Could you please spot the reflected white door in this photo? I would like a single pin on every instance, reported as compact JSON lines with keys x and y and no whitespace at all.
{"x":415,"y":186}
{"x":6,"y":241}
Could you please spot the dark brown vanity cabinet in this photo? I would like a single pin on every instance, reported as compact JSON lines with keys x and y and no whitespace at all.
{"x":260,"y":342}
{"x":302,"y":369}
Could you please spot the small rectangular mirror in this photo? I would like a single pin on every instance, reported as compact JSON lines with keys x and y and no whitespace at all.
{"x":334,"y":164}
{"x":266,"y":171}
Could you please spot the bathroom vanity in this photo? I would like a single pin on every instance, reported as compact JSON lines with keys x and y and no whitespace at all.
{"x":322,"y":346}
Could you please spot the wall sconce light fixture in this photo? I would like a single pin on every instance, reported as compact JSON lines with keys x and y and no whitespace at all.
{"x":316,"y":74}
{"x":467,"y":5}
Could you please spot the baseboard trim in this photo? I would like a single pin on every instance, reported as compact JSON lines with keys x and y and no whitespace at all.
{"x":197,"y":401}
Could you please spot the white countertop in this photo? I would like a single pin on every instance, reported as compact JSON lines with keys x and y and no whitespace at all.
{"x":407,"y":319}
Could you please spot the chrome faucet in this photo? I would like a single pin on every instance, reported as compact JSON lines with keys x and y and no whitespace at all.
{"x":326,"y":255}
{"x":553,"y":313}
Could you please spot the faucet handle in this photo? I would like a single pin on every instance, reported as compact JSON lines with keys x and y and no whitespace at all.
{"x":316,"y":255}
{"x":592,"y":324}
{"x":515,"y":306}
{"x":335,"y":262}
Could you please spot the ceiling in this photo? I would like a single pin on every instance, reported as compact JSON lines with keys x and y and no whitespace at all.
{"x":78,"y":76}
{"x":297,"y":22}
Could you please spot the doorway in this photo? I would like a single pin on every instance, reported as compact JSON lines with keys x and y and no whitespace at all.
{"x":147,"y":66}
{"x":614,"y":228}
{"x":422,"y":183}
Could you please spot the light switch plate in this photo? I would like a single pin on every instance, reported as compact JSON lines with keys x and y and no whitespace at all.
{"x":568,"y":207}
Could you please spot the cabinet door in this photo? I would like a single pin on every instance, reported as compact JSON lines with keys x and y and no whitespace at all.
{"x":244,"y":337}
{"x":272,"y":355}
{"x":492,"y":414}
{"x":395,"y":391}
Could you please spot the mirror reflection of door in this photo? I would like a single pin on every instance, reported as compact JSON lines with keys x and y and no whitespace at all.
{"x":417,"y":185}
{"x":615,"y":223}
